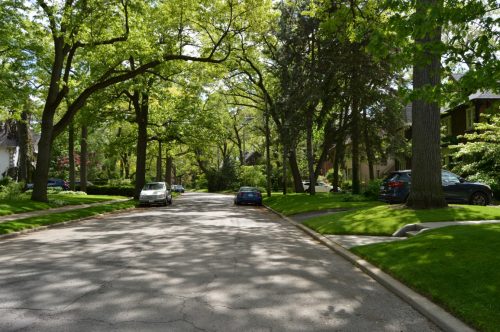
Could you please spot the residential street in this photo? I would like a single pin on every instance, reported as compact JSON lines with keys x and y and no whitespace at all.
{"x":201,"y":264}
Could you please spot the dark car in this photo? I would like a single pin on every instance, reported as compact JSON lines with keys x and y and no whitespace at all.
{"x":177,"y":188}
{"x":396,"y":188}
{"x":248,"y":195}
{"x":53,"y":183}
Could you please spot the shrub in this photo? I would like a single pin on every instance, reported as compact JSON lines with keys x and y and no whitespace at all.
{"x":373,"y":189}
{"x":11,"y":190}
{"x":252,"y":176}
{"x":127,"y":191}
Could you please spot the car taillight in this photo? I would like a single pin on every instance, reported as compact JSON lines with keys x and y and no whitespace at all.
{"x":396,"y":184}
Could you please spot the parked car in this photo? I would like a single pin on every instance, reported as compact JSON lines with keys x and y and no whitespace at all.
{"x":53,"y":183}
{"x":155,"y":193}
{"x":320,"y":187}
{"x":248,"y":195}
{"x":396,"y":188}
{"x":178,"y":188}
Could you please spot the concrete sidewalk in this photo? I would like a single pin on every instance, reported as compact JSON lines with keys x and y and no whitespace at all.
{"x":65,"y":208}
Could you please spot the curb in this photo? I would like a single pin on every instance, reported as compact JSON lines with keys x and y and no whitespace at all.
{"x":432,"y":311}
{"x":60,"y":224}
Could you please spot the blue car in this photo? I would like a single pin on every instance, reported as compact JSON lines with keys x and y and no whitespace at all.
{"x":396,"y":188}
{"x":248,"y":195}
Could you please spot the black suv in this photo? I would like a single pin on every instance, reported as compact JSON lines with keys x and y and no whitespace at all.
{"x":396,"y":188}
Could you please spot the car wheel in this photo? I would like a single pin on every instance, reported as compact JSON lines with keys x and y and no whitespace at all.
{"x":170,"y":202}
{"x":478,"y":198}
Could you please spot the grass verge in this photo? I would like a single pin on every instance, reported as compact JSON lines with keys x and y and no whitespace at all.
{"x":54,"y":218}
{"x":386,"y":219}
{"x":457,"y":267}
{"x":298,"y":203}
{"x":24,"y":204}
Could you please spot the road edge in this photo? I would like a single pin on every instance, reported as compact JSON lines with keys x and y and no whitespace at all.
{"x":63,"y":223}
{"x":436,"y":314}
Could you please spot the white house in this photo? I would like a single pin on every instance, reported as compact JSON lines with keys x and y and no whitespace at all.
{"x":9,"y":153}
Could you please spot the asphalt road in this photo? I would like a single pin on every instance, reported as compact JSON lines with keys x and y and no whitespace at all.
{"x":201,"y":264}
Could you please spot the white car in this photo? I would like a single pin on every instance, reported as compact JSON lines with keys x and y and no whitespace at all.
{"x":320,"y":187}
{"x":155,"y":193}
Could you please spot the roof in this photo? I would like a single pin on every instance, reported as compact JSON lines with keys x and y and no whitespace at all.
{"x":483,"y":95}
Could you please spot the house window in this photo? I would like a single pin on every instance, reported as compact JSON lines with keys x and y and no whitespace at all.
{"x":446,"y":125}
{"x":469,"y":118}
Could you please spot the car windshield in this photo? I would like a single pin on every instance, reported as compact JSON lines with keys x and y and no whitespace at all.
{"x":154,"y":186}
{"x":248,"y":189}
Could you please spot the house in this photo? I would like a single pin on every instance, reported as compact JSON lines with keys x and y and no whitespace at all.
{"x":9,"y":149}
{"x":460,"y":120}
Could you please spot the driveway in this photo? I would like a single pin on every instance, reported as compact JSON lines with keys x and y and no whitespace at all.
{"x":201,"y":264}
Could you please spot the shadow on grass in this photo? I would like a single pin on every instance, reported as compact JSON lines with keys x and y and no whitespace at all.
{"x":385,"y":219}
{"x":457,"y":267}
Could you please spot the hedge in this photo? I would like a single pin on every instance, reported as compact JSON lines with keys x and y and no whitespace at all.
{"x":111,"y":190}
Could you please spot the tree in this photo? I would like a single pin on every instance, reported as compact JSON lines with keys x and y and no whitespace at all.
{"x":426,"y":191}
{"x":78,"y":33}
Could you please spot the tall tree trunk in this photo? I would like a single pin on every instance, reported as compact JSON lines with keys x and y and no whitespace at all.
{"x":41,"y":174}
{"x":71,"y":155}
{"x":168,"y":170}
{"x":239,"y":144}
{"x":426,"y":189}
{"x":329,"y":139}
{"x":84,"y":158}
{"x":126,"y":162}
{"x":159,"y":173}
{"x":268,"y":155}
{"x":141,"y":106}
{"x":310,"y":154}
{"x":294,"y":169}
{"x":339,"y":157}
{"x":355,"y":145}
{"x":23,"y":138}
{"x":285,"y":163}
{"x":368,"y":146}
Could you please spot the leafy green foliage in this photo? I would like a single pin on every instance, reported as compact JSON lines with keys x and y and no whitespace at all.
{"x":373,"y":189}
{"x":252,"y":176}
{"x":479,"y":157}
{"x":223,"y":178}
{"x":11,"y":190}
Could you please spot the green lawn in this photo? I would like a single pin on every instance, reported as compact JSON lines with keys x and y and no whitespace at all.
{"x":24,"y":204}
{"x":386,"y":219}
{"x":297,"y":203}
{"x":54,"y":218}
{"x":457,"y":267}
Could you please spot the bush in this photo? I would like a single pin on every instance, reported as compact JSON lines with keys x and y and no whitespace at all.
{"x":224,"y":178}
{"x":11,"y":190}
{"x":127,"y":191}
{"x":252,"y":176}
{"x":373,"y":189}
